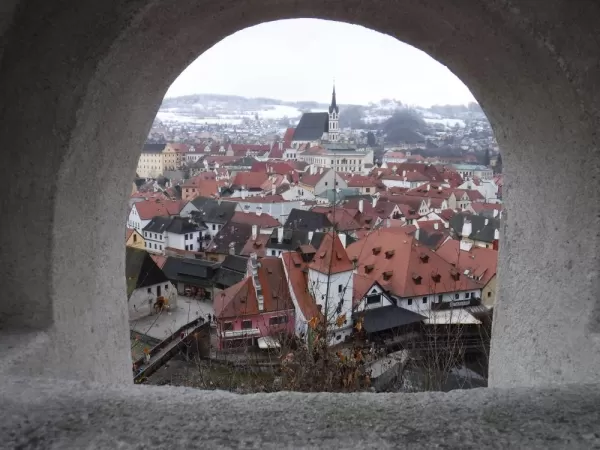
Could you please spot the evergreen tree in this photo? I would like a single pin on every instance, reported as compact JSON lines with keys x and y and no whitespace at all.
{"x":486,"y":157}
{"x":498,"y":167}
{"x":371,"y":141}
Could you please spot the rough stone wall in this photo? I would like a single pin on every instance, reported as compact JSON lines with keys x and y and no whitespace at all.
{"x":80,"y":82}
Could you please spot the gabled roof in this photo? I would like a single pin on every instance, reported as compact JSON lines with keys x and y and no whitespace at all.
{"x":177,"y":225}
{"x":331,"y":256}
{"x":148,"y":209}
{"x":298,"y":219}
{"x":311,"y":127}
{"x":343,"y":220}
{"x":481,"y":263}
{"x":213,"y":211}
{"x":241,"y":299}
{"x":250,"y":180}
{"x":231,"y":235}
{"x":482,"y":228}
{"x":262,"y":220}
{"x":292,"y":239}
{"x":141,"y":270}
{"x":258,"y":246}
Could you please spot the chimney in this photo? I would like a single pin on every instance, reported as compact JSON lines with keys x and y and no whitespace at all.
{"x":486,"y":221}
{"x":496,"y":234}
{"x":232,"y":248}
{"x":495,"y":213}
{"x":417,"y":233}
{"x":254,"y":232}
{"x":404,"y":173}
{"x":446,"y":225}
{"x":374,"y":202}
{"x":259,"y":210}
{"x":281,"y":146}
{"x":435,"y":226}
{"x":361,"y":205}
{"x":243,"y":192}
{"x":342,"y":237}
{"x":273,"y":188}
{"x":428,"y":186}
{"x":310,"y":236}
{"x":280,"y":235}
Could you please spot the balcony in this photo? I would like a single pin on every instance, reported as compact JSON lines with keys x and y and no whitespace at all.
{"x":235,"y":334}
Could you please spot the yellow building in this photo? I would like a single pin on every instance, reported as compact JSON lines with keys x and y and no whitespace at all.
{"x":134,"y":239}
{"x":151,"y":163}
{"x":173,"y":155}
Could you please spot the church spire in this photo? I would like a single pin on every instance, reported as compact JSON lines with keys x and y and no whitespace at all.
{"x":333,"y":107}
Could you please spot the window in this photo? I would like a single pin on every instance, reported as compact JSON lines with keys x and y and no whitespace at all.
{"x":160,"y":247}
{"x":273,"y":252}
{"x":439,"y":298}
{"x":185,"y":237}
{"x":228,"y":326}
{"x":149,"y":290}
{"x":424,"y":299}
{"x":134,"y":238}
{"x":155,"y":247}
{"x":467,"y":295}
{"x":145,"y":234}
{"x":213,"y":227}
{"x":246,"y":325}
{"x":166,"y":287}
{"x":368,"y":189}
{"x":278,"y":320}
{"x":373,"y":299}
{"x":340,"y":288}
{"x":489,"y":293}
{"x":456,"y":296}
{"x":409,"y":302}
{"x":326,"y":183}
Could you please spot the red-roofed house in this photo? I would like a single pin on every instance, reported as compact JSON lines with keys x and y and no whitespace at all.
{"x":320,"y":180}
{"x":141,"y":213}
{"x":203,"y":185}
{"x":321,"y":283}
{"x":248,"y":184}
{"x":256,"y":308}
{"x":418,"y":278}
{"x":478,"y":263}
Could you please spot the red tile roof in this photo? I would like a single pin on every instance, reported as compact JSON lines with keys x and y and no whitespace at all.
{"x":404,"y":267}
{"x":331,"y":257}
{"x":159,"y":260}
{"x":342,"y":219}
{"x":263,"y":220}
{"x":298,"y":282}
{"x":250,"y":180}
{"x":240,"y":299}
{"x":152,"y":208}
{"x":482,"y":263}
{"x":257,"y":245}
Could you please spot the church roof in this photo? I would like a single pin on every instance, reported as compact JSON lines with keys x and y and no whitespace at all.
{"x":311,"y":127}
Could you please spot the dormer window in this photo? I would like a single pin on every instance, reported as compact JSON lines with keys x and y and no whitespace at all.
{"x":376,"y":250}
{"x":369,"y":268}
{"x":417,"y":278}
{"x":387,"y":275}
{"x":389,"y":254}
{"x":436,"y":277}
{"x":424,"y":257}
{"x":455,"y":274}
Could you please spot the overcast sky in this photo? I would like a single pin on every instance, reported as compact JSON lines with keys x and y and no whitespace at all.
{"x":299,"y":59}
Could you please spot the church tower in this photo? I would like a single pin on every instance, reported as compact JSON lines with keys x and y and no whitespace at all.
{"x":334,"y":119}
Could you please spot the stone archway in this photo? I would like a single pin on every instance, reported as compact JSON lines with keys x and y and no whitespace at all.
{"x":80,"y":83}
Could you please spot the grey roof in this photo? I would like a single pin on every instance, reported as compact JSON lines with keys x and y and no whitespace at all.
{"x":311,"y":127}
{"x":177,"y":225}
{"x":294,"y":238}
{"x":388,"y":317}
{"x":480,"y":231}
{"x":232,"y":271}
{"x":153,"y":148}
{"x":190,"y":271}
{"x":232,"y":234}
{"x":212,"y":211}
{"x":298,"y":219}
{"x":235,"y":263}
{"x":343,"y":194}
{"x":158,"y":224}
{"x":246,"y":161}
